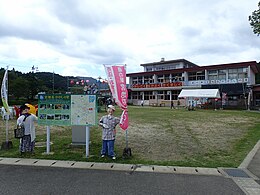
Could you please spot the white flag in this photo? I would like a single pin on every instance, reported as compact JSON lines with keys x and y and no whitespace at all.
{"x":4,"y":95}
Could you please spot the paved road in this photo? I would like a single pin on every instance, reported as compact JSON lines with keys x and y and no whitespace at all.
{"x":15,"y":179}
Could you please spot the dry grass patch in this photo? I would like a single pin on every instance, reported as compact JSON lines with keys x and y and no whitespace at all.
{"x":164,"y":136}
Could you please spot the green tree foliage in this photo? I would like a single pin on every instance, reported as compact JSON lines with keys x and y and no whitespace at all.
{"x":27,"y":86}
{"x":51,"y":80}
{"x":18,"y":88}
{"x":255,"y":20}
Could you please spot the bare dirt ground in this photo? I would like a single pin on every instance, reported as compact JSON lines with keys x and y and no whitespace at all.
{"x":179,"y":140}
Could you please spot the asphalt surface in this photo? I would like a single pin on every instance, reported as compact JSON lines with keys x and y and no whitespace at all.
{"x":49,"y":180}
{"x":46,"y":177}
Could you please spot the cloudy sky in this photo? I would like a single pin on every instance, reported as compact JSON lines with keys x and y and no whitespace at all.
{"x":76,"y":37}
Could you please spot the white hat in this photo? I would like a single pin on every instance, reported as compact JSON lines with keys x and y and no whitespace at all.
{"x":112,"y":107}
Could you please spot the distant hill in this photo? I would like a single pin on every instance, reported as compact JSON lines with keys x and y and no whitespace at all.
{"x":67,"y":82}
{"x":27,"y":85}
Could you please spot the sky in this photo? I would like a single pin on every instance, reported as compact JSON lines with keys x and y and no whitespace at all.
{"x":77,"y":37}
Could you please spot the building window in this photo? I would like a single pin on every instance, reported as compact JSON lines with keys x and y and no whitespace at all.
{"x":148,"y":95}
{"x":212,"y":72}
{"x":148,"y":80}
{"x":170,"y":67}
{"x":160,"y":78}
{"x":163,"y":95}
{"x":217,"y":74}
{"x":232,"y":73}
{"x":167,"y":78}
{"x":175,"y":94}
{"x":177,"y":77}
{"x":149,"y":68}
{"x":213,"y":77}
{"x":194,"y":76}
{"x":137,"y":80}
{"x":159,"y":68}
{"x":137,"y":95}
{"x":222,"y":74}
{"x":222,"y":71}
{"x":222,"y":77}
{"x":167,"y":95}
{"x":160,"y":95}
{"x":242,"y":75}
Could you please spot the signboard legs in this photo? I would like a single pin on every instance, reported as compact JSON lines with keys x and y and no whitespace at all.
{"x":48,"y":140}
{"x":87,"y":141}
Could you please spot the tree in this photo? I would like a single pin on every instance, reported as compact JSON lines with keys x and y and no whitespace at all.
{"x":18,"y":88}
{"x":255,"y":20}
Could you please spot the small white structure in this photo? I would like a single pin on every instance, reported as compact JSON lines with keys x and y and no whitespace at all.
{"x":4,"y":114}
{"x":196,"y":97}
{"x":199,"y":93}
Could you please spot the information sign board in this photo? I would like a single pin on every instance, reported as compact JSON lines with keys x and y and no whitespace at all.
{"x":83,"y":110}
{"x":66,"y":109}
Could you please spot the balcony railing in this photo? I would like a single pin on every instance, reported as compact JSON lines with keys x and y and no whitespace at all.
{"x":212,"y":82}
{"x":190,"y":83}
{"x":156,"y":85}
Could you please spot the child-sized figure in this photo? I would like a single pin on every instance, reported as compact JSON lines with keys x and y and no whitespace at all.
{"x":108,"y":124}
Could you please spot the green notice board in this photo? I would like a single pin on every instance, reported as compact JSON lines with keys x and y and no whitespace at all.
{"x":66,"y":109}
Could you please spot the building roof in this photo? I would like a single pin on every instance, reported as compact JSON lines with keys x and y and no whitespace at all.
{"x":252,"y":64}
{"x":168,"y":62}
{"x":197,"y":93}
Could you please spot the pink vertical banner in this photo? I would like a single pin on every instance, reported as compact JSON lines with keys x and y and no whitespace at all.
{"x":110,"y":79}
{"x":116,"y":75}
{"x":124,"y":120}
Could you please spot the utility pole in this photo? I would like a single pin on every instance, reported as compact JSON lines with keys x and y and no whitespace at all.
{"x":53,"y":82}
{"x":99,"y":78}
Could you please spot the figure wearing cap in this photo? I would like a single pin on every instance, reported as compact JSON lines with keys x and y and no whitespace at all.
{"x":108,"y":124}
{"x":27,"y":143}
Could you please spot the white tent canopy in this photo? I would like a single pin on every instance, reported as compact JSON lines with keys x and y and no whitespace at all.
{"x":199,"y":93}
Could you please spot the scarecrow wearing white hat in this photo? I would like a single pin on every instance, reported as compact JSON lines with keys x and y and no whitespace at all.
{"x":108,"y":124}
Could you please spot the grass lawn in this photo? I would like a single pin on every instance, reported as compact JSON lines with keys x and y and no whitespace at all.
{"x":160,"y":136}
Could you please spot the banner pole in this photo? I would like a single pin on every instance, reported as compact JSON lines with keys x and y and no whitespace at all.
{"x":87,"y":141}
{"x":6,"y":128}
{"x":126,"y":138}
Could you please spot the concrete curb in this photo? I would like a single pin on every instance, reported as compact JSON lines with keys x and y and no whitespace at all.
{"x":112,"y":166}
{"x":131,"y":167}
{"x":250,"y":156}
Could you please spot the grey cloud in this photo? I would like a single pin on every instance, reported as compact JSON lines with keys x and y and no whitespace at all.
{"x":106,"y":56}
{"x":244,"y":37}
{"x":70,"y":12}
{"x":36,"y":32}
{"x":221,"y":48}
{"x":100,"y":54}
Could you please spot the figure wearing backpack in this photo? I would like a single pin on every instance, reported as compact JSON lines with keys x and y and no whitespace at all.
{"x":27,"y":142}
